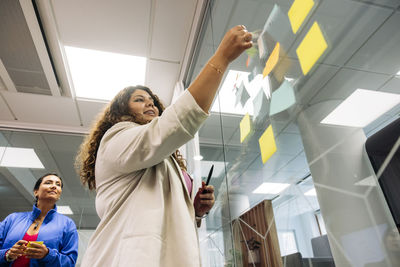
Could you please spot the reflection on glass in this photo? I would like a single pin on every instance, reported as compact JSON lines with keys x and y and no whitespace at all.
{"x":298,"y":13}
{"x":311,"y":48}
{"x":361,"y":108}
{"x":282,"y":98}
{"x":267,"y":144}
{"x":333,"y":196}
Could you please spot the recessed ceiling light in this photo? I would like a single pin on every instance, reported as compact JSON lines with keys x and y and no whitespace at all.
{"x":101,"y":75}
{"x":270,"y":188}
{"x":361,"y":108}
{"x":311,"y":192}
{"x":64,"y":210}
{"x":17,"y":157}
{"x":198,"y":157}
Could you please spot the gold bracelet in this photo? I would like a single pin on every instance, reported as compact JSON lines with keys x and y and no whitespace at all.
{"x":215,"y":67}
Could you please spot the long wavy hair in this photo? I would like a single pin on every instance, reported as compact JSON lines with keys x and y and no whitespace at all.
{"x":116,"y":111}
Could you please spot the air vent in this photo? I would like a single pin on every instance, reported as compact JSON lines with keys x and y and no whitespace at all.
{"x":23,"y":51}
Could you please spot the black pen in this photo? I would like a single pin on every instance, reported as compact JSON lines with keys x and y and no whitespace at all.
{"x":210,"y":174}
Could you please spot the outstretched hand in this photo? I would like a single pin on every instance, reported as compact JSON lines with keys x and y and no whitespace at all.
{"x":204,"y":199}
{"x":235,"y":41}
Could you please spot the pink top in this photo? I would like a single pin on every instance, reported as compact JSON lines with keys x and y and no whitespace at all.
{"x":189,"y":181}
{"x":24,"y":261}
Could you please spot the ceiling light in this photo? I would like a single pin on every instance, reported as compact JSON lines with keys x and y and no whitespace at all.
{"x":398,"y":73}
{"x":227,"y":97}
{"x":101,"y":75}
{"x":270,"y":188}
{"x":361,"y":108}
{"x":64,"y":210}
{"x":19,"y":158}
{"x":311,"y":192}
{"x":198,"y":157}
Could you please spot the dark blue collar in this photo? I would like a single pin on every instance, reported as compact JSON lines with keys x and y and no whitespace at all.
{"x":36,"y":212}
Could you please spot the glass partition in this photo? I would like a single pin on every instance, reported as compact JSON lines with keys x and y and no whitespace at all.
{"x":26,"y":156}
{"x":288,"y":131}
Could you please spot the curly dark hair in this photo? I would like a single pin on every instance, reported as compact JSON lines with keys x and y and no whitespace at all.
{"x":116,"y":111}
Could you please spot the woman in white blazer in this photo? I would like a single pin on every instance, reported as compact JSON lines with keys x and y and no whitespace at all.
{"x":144,"y":196}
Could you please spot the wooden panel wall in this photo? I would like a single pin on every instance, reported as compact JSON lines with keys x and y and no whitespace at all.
{"x":261,"y":219}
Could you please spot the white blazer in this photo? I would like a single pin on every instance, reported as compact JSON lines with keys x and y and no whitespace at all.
{"x":147,"y":216}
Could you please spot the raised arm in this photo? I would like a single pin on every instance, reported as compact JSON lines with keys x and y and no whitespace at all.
{"x":205,"y":86}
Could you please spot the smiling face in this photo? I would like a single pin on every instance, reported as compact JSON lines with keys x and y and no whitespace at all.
{"x":142,"y":103}
{"x":49,"y":189}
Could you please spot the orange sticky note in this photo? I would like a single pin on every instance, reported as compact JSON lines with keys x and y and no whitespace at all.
{"x":272,"y":60}
{"x":311,"y":48}
{"x":267,"y":144}
{"x":245,"y":127}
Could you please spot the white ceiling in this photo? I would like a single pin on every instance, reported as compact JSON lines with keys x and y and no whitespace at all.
{"x":162,"y":31}
{"x":36,"y":92}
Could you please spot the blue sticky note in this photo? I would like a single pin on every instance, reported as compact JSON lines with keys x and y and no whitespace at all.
{"x":282,"y":98}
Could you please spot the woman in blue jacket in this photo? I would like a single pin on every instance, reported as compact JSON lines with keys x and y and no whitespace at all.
{"x":43,"y":223}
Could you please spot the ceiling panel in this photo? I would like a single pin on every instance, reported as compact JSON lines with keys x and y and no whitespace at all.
{"x":161,"y":78}
{"x":89,"y":109}
{"x":393,"y":86}
{"x":274,"y":163}
{"x":43,"y":109}
{"x":306,"y":86}
{"x":387,"y":3}
{"x":211,"y":134}
{"x":298,"y":164}
{"x":120,"y":26}
{"x":346,"y":81}
{"x":380,"y":53}
{"x":171,"y":28}
{"x":5,"y":113}
{"x":288,"y":144}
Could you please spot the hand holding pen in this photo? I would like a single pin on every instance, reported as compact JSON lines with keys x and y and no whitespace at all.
{"x":204,"y":200}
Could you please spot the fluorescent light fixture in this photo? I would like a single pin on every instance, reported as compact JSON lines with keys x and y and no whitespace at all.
{"x":227,"y":97}
{"x":361,"y":108}
{"x":17,"y":157}
{"x":101,"y":75}
{"x":270,"y":188}
{"x":311,"y":192}
{"x":64,"y":210}
{"x":198,"y":157}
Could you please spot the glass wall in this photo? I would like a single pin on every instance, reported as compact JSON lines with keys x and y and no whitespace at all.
{"x":26,"y":156}
{"x":287,"y":132}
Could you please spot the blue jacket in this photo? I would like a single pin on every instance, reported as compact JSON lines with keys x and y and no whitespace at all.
{"x":57,"y":231}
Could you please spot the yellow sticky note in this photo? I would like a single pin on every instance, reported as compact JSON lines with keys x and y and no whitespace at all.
{"x":272,"y":60}
{"x":245,"y":127}
{"x":267,"y":144}
{"x":36,"y":242}
{"x":298,"y":12}
{"x":311,"y":48}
